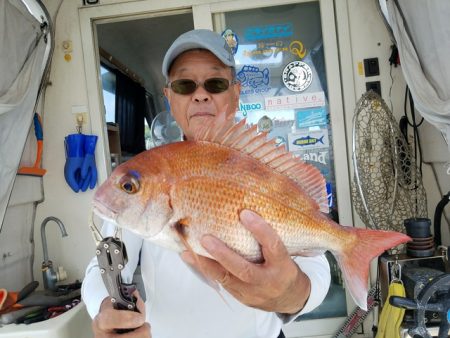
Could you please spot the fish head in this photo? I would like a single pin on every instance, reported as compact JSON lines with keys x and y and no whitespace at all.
{"x":135,"y":197}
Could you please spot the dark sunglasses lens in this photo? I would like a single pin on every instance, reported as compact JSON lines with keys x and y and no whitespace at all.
{"x":183,"y":86}
{"x":216,"y":85}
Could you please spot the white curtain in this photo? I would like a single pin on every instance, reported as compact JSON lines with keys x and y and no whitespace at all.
{"x":422,"y":34}
{"x":24,"y":51}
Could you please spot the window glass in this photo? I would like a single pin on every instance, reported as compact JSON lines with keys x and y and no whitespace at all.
{"x":280,"y":64}
{"x":109,"y":93}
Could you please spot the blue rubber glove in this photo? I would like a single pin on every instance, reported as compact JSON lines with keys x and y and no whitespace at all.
{"x":88,"y":169}
{"x":85,"y":182}
{"x":74,"y":145}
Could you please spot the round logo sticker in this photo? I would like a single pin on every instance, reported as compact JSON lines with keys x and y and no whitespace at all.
{"x":297,"y":76}
{"x":265,"y":124}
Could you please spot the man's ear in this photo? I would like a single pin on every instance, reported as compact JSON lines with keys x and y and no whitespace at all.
{"x":166,"y":92}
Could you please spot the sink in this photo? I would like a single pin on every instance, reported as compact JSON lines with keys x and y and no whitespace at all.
{"x":74,"y":323}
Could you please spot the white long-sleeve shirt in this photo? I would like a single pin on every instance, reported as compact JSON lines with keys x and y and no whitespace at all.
{"x":179,"y":304}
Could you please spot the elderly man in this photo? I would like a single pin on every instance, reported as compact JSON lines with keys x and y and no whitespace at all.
{"x":201,"y":89}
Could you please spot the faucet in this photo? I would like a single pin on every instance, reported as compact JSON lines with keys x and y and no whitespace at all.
{"x":49,"y":275}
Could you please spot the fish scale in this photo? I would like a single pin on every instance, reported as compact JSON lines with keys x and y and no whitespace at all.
{"x":284,"y":199}
{"x":174,"y":194}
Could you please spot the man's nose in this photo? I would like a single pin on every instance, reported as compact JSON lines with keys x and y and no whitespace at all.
{"x":201,"y":95}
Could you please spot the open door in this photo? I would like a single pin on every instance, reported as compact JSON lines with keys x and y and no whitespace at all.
{"x":25,"y":53}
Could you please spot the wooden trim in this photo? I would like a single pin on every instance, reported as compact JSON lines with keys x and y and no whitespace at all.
{"x":120,"y":66}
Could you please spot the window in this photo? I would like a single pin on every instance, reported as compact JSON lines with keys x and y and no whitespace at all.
{"x":109,"y":93}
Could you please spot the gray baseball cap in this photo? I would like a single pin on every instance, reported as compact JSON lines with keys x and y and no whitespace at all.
{"x":198,"y":38}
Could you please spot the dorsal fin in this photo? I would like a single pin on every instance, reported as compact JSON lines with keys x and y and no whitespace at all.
{"x":248,"y":140}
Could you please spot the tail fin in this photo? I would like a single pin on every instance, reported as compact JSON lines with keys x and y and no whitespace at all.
{"x":354,"y":260}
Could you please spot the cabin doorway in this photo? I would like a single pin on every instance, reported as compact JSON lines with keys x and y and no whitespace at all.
{"x":130,"y":58}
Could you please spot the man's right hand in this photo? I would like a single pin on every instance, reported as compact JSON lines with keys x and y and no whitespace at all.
{"x":108,"y":320}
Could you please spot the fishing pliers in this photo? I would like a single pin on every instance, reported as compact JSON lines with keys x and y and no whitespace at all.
{"x":112,"y":258}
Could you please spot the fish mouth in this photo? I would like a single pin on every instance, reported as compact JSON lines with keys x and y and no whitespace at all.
{"x":104,"y":212}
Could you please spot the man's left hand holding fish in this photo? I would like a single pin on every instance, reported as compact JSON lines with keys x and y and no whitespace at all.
{"x":276,"y":285}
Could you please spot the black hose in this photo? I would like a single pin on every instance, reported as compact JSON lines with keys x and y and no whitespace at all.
{"x":437,"y":218}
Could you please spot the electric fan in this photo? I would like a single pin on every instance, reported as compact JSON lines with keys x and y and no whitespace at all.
{"x":387,"y":186}
{"x":164,"y":129}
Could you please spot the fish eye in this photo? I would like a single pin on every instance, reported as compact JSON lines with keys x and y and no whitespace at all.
{"x":129,"y":184}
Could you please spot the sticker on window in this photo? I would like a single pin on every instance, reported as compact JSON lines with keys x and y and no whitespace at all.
{"x":232,"y":40}
{"x":297,"y":76}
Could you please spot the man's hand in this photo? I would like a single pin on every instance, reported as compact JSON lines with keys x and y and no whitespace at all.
{"x":276,"y":285}
{"x":108,"y":320}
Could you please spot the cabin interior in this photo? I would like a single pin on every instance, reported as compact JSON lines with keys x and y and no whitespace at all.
{"x":380,"y":135}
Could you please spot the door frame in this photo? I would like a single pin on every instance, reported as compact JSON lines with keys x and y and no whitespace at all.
{"x":202,"y":12}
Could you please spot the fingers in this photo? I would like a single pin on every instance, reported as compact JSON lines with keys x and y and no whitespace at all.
{"x":108,"y":320}
{"x":215,"y":271}
{"x":139,"y":303}
{"x":210,"y":268}
{"x":230,"y":260}
{"x":272,"y":246}
{"x":141,"y":332}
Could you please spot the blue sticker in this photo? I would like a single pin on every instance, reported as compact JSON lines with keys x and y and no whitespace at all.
{"x":307,"y":141}
{"x":329,"y":195}
{"x":251,"y":76}
{"x":232,"y":40}
{"x":311,"y":117}
{"x":252,"y":91}
{"x":245,"y":108}
{"x":276,"y":31}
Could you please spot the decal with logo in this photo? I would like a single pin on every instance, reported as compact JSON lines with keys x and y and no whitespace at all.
{"x":297,"y":48}
{"x":251,"y":91}
{"x":320,"y":158}
{"x":280,"y":141}
{"x":245,"y":108}
{"x":297,"y":101}
{"x":232,"y":40}
{"x":320,"y":155}
{"x":252,"y":76}
{"x":297,"y":76}
{"x":263,"y":53}
{"x":265,"y":124}
{"x":280,"y":131}
{"x":311,"y":117}
{"x":308,"y":139}
{"x":266,"y":32}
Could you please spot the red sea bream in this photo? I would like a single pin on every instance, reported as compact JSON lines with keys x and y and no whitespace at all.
{"x":173,"y":194}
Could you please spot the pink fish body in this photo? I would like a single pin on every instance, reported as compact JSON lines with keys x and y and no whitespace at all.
{"x":174,"y":194}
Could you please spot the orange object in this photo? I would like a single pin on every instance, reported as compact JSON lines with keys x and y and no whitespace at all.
{"x":3,"y":295}
{"x":9,"y":299}
{"x":36,"y":169}
{"x":174,"y":194}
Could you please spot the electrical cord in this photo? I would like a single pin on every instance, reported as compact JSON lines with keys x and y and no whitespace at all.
{"x":415,"y":126}
{"x":416,"y":137}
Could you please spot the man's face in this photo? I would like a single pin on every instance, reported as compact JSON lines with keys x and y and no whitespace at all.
{"x":195,"y":111}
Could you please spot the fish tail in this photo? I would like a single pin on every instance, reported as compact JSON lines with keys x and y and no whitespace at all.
{"x":354,"y":260}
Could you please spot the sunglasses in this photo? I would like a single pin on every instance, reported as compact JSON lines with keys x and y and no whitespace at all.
{"x":213,"y":85}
